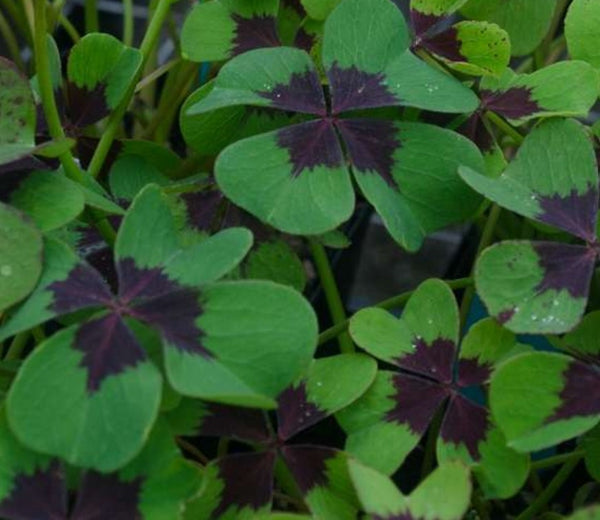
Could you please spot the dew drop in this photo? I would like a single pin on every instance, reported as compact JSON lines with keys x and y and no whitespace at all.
{"x":6,"y":270}
{"x":319,"y":383}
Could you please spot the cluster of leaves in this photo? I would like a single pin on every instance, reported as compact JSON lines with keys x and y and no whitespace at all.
{"x":151,"y":303}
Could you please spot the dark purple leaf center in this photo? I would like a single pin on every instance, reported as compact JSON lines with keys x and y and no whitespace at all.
{"x":513,"y":103}
{"x":565,"y":267}
{"x":109,"y":348}
{"x":248,"y":481}
{"x":352,"y":88}
{"x":295,"y":412}
{"x":575,"y":212}
{"x":303,"y":93}
{"x":581,"y":394}
{"x":41,"y":494}
{"x":253,"y":33}
{"x":419,"y":394}
{"x":106,"y":496}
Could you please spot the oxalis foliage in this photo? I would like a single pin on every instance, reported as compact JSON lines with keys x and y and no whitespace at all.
{"x":159,"y":358}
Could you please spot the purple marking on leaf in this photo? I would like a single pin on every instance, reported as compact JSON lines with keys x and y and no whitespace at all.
{"x":240,"y":423}
{"x":310,"y":145}
{"x":445,"y":44}
{"x":150,"y":296}
{"x":474,"y":129}
{"x":416,"y":401}
{"x":471,"y":372}
{"x":304,"y":40}
{"x":254,"y":33}
{"x":581,"y":394}
{"x":22,"y":165}
{"x":422,"y":22}
{"x":352,"y":88}
{"x":201,"y":208}
{"x":575,"y":213}
{"x":371,"y":145}
{"x":435,"y":360}
{"x":566,"y":267}
{"x":505,"y":315}
{"x":83,"y":287}
{"x":303,"y":93}
{"x":109,"y":349}
{"x":106,"y":496}
{"x":41,"y":495}
{"x":142,"y":284}
{"x":248,"y":481}
{"x":295,"y":412}
{"x":86,"y":107}
{"x":465,"y":423}
{"x":296,"y":5}
{"x":175,"y":315}
{"x":513,"y":103}
{"x":308,"y":464}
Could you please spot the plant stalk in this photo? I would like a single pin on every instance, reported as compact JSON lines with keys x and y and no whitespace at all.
{"x":114,"y":120}
{"x":17,"y":346}
{"x":91,"y":16}
{"x":557,"y":459}
{"x":487,"y":235}
{"x":42,"y":63}
{"x":507,"y":129}
{"x":128,"y":22}
{"x":332,"y":294}
{"x":551,"y":489}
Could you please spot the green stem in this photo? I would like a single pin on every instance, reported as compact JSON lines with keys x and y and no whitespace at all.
{"x":555,"y":460}
{"x":390,"y":303}
{"x":11,"y":41}
{"x":42,"y":64}
{"x":128,"y":22}
{"x":155,"y":74}
{"x":69,"y":28}
{"x":487,"y":235}
{"x":91,"y":16}
{"x":334,"y":300}
{"x":176,"y":86}
{"x":505,"y":127}
{"x":192,"y":450}
{"x":18,"y":18}
{"x":17,"y":346}
{"x":551,"y":489}
{"x":115,"y":119}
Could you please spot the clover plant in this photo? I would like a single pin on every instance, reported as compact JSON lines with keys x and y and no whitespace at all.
{"x":174,"y":343}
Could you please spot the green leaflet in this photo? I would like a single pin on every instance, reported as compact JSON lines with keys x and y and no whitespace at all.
{"x":101,"y":64}
{"x":485,"y":47}
{"x":276,"y":261}
{"x":239,"y":334}
{"x":49,"y":198}
{"x":582,"y":30}
{"x":526,"y":22}
{"x":219,"y":29}
{"x":20,"y":256}
{"x":51,"y":411}
{"x":443,"y":495}
{"x":18,"y":117}
{"x":544,"y":418}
